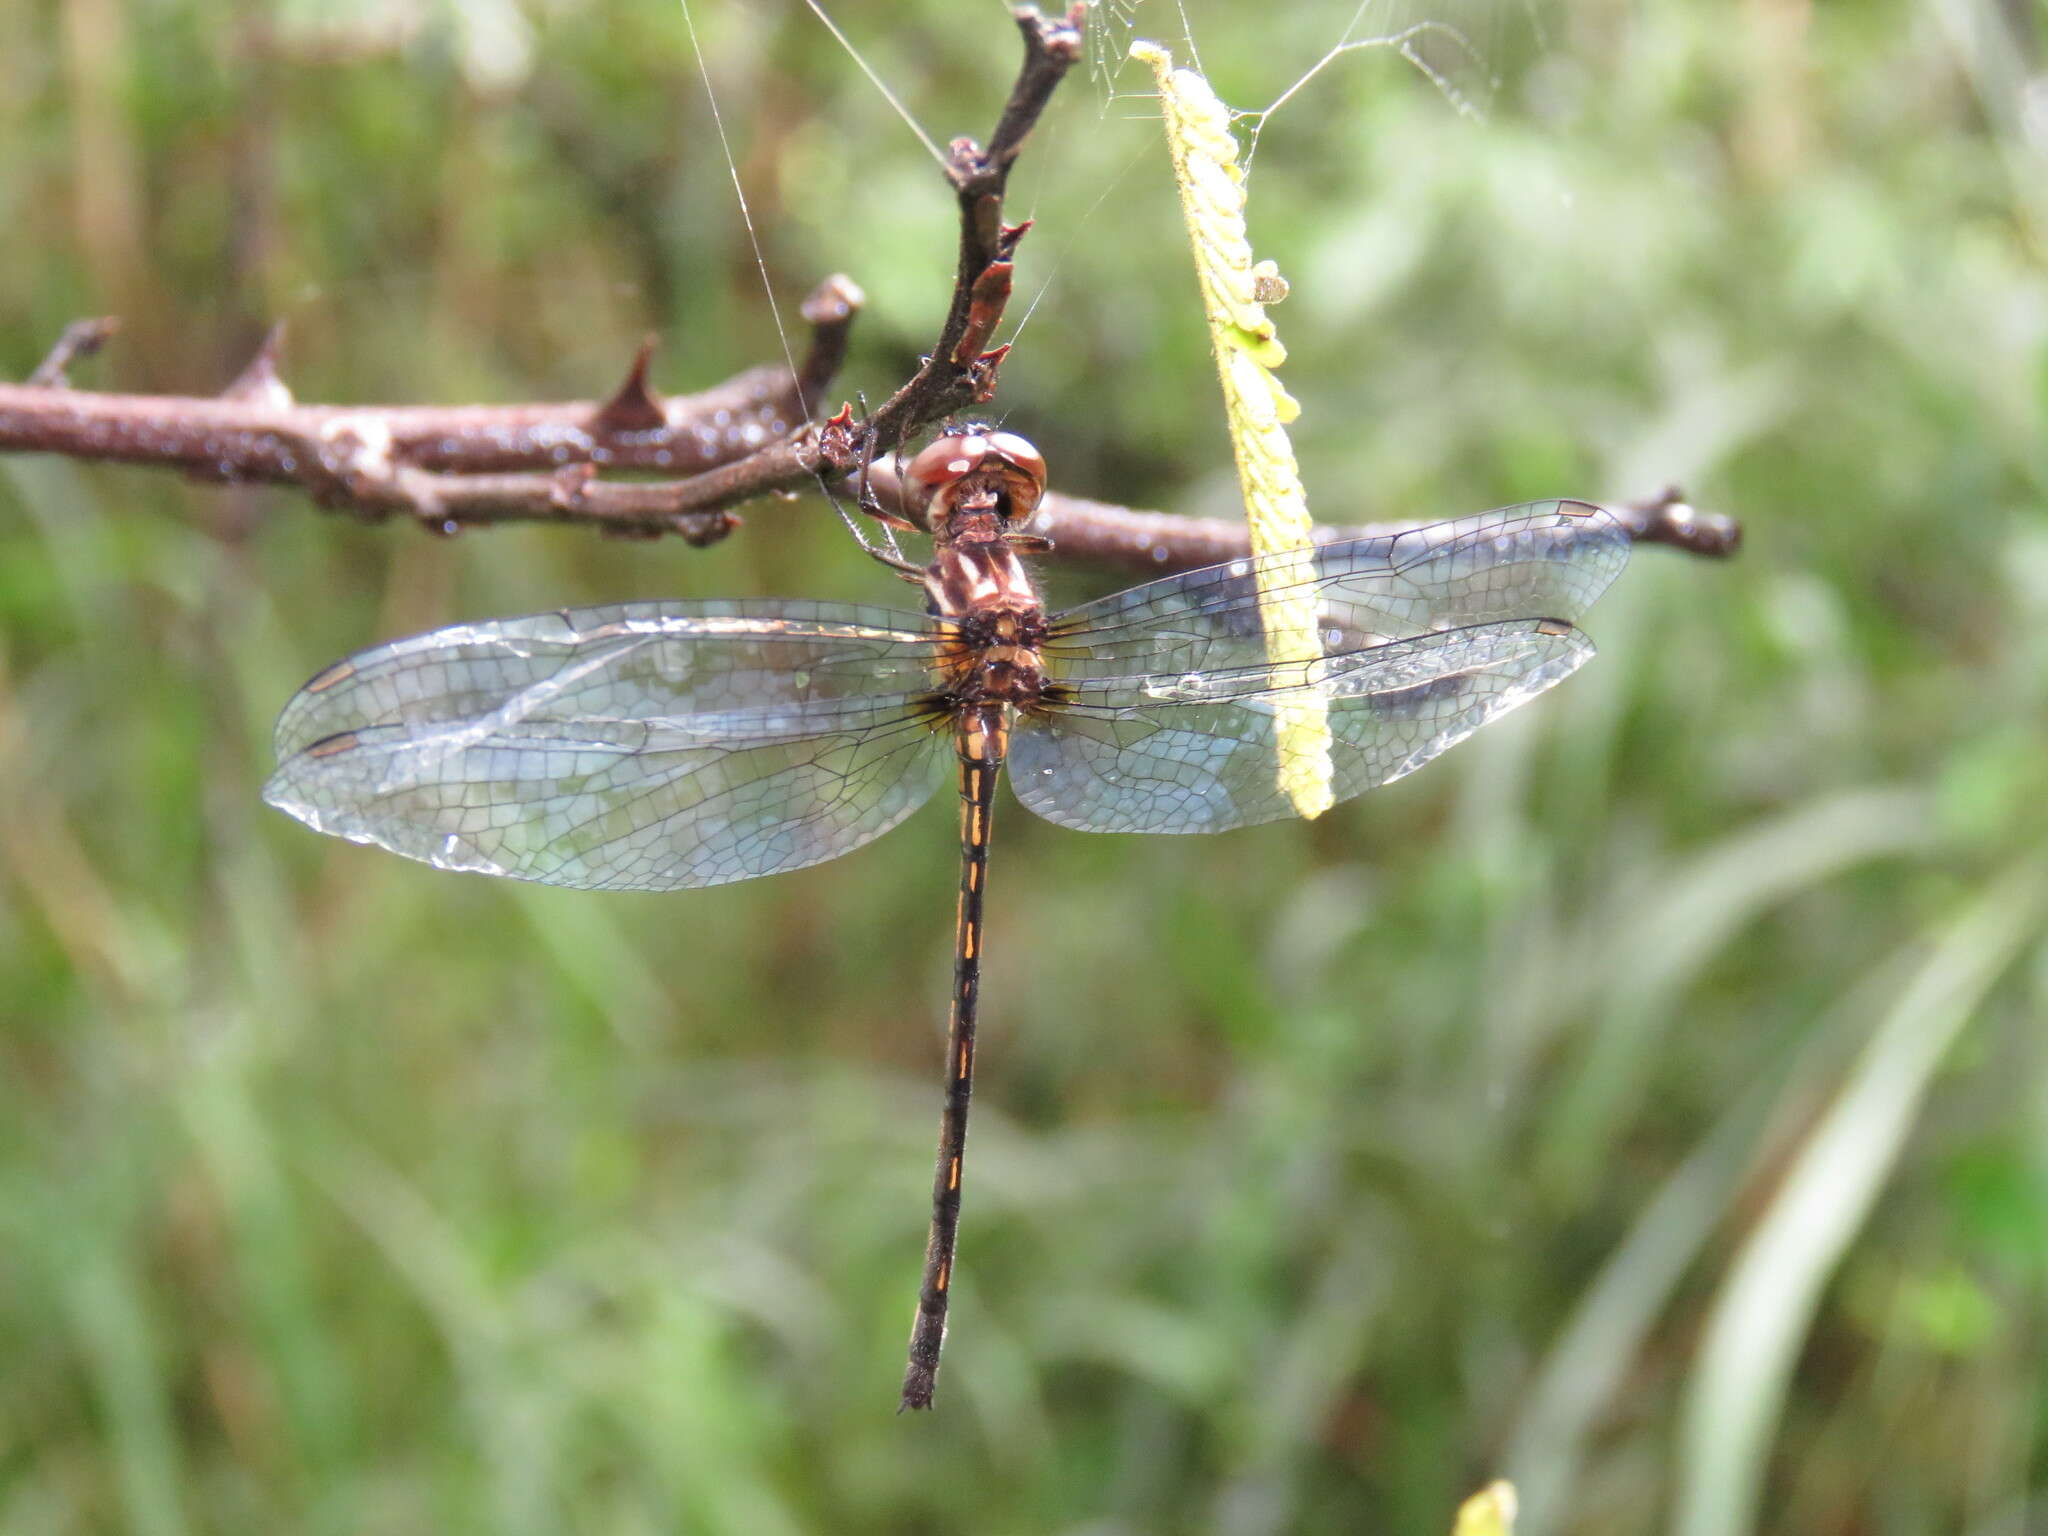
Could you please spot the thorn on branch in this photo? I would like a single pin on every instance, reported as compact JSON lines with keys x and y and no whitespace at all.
{"x":839,"y":443}
{"x":258,"y":382}
{"x":634,"y":406}
{"x":987,"y":298}
{"x":81,"y":339}
{"x":981,"y":377}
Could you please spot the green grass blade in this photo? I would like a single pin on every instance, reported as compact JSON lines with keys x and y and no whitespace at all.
{"x":1771,"y":1297}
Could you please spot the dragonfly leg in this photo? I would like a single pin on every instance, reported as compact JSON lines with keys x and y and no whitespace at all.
{"x":909,"y":570}
{"x":886,"y":550}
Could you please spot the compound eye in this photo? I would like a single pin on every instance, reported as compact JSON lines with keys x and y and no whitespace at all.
{"x":1026,"y":480}
{"x":941,"y":464}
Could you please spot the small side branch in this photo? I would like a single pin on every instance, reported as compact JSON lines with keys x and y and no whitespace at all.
{"x":958,"y":372}
{"x":81,"y":339}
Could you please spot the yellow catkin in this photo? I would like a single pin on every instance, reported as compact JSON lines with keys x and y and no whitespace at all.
{"x":1258,"y":409}
{"x":1489,"y":1512}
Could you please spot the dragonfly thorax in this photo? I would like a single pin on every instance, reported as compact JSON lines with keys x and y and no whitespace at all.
{"x":973,"y":487}
{"x":975,"y":578}
{"x":993,"y":623}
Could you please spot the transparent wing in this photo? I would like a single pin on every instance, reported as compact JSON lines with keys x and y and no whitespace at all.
{"x":1169,"y":702}
{"x":639,"y":746}
{"x":1542,"y":560}
{"x":1183,"y":754}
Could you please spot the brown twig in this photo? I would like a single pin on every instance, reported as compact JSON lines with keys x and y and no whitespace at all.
{"x":444,"y":465}
{"x":958,"y":373}
{"x":1160,"y":541}
{"x":81,"y":338}
{"x":1107,"y":534}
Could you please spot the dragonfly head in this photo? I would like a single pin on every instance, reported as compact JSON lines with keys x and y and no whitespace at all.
{"x":975,"y":469}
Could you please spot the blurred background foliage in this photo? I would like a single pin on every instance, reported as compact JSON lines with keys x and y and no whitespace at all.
{"x":1649,"y":1102}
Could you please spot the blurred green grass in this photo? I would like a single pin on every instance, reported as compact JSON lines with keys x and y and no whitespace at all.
{"x":1320,"y":1171}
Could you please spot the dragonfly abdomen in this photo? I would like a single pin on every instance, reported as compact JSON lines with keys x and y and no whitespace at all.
{"x":981,"y":741}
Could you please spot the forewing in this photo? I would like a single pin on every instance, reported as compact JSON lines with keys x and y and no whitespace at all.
{"x":1545,"y":559}
{"x":639,"y":746}
{"x":1198,"y":753}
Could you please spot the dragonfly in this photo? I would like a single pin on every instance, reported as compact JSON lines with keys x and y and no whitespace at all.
{"x":654,"y":746}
